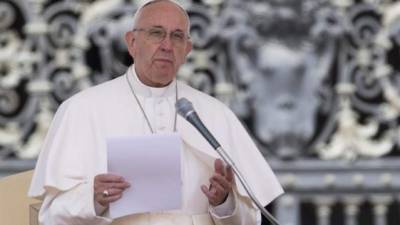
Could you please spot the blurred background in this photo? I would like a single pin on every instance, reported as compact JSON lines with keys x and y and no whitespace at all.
{"x":317,"y":84}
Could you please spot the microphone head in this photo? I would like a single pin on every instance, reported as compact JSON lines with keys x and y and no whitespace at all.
{"x":184,"y":107}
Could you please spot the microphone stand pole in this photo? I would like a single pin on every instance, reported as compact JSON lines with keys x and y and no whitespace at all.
{"x":228,"y":160}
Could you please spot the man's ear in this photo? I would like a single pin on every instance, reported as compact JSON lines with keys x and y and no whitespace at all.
{"x":189,"y":46}
{"x":130,"y":42}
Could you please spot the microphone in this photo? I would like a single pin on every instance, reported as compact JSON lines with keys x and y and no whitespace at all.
{"x":185,"y":109}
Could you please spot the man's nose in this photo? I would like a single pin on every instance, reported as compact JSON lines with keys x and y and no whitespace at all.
{"x":166,"y":44}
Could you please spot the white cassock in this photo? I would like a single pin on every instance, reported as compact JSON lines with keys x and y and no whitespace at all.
{"x":74,"y":152}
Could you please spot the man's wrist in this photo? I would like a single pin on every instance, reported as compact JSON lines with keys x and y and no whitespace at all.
{"x":224,"y":200}
{"x":99,"y":208}
{"x":226,"y":208}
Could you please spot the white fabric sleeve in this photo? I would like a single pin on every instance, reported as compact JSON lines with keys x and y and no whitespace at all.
{"x":259,"y":217}
{"x":234,"y":211}
{"x":75,"y":206}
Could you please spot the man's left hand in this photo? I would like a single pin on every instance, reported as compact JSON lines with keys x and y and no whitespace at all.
{"x":220,"y":184}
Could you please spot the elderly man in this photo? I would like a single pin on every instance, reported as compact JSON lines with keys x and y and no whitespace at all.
{"x":71,"y":173}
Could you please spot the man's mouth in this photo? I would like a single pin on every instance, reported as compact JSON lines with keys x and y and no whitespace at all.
{"x":164,"y":60}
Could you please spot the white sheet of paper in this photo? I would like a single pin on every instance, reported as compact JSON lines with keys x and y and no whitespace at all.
{"x":152,"y":165}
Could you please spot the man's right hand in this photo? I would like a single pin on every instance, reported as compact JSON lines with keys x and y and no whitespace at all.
{"x":108,"y":188}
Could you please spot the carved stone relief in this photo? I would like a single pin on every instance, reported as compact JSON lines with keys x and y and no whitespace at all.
{"x":309,"y":78}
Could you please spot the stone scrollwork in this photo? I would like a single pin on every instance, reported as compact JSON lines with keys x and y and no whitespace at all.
{"x":367,"y":90}
{"x":309,"y":78}
{"x":49,"y":51}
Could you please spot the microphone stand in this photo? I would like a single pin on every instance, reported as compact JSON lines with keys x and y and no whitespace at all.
{"x":228,"y":160}
{"x":186,"y":110}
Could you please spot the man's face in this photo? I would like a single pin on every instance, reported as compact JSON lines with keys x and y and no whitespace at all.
{"x":157,"y":62}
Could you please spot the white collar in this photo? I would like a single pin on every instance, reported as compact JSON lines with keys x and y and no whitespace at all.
{"x":147,"y":91}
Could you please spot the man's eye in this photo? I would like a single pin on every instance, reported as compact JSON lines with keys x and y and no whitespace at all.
{"x":156,"y":33}
{"x":178,"y":36}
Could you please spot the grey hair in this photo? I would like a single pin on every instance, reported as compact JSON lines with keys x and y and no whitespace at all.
{"x":139,"y":10}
